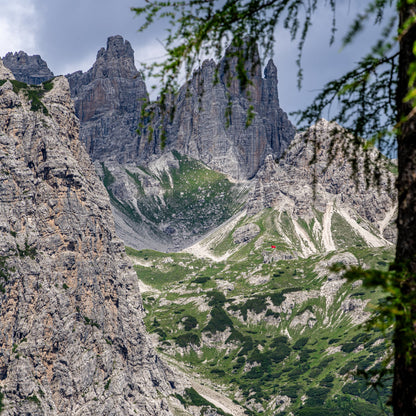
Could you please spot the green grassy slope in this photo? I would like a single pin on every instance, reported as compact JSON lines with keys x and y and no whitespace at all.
{"x":178,"y":201}
{"x":272,"y":325}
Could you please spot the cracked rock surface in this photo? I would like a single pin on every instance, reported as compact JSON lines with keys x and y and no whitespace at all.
{"x":72,"y":340}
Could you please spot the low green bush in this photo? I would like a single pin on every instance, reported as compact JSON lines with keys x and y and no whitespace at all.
{"x":219,"y":321}
{"x":189,"y":322}
{"x":300,"y":343}
{"x":188,"y":339}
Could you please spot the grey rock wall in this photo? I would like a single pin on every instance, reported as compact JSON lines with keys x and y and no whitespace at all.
{"x":210,"y":117}
{"x":31,"y":69}
{"x":109,"y":97}
{"x":72,"y":339}
{"x":108,"y":100}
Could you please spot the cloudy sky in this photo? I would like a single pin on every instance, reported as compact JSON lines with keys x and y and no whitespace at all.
{"x":68,"y":34}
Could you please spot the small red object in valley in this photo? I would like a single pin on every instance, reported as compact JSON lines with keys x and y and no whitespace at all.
{"x":273,"y":246}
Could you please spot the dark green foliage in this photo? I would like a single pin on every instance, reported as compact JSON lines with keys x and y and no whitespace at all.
{"x":195,"y":398}
{"x":277,"y":298}
{"x":219,"y":321}
{"x":218,"y":372}
{"x":247,"y":346}
{"x":321,"y":411}
{"x":355,"y":389}
{"x":201,"y":279}
{"x":188,"y":339}
{"x":189,"y":322}
{"x":304,"y":355}
{"x":300,"y":343}
{"x":161,"y":333}
{"x":254,"y":373}
{"x":48,"y":85}
{"x":298,"y":371}
{"x":269,"y":312}
{"x":360,"y":338}
{"x":327,"y":381}
{"x":181,"y":399}
{"x":278,"y":341}
{"x":315,"y":372}
{"x":360,"y":408}
{"x":357,"y":294}
{"x":235,"y":336}
{"x":290,"y":391}
{"x":351,"y":365}
{"x":217,"y":298}
{"x":317,"y":395}
{"x":28,"y":251}
{"x":326,"y":361}
{"x":350,"y":346}
{"x":107,"y":385}
{"x":91,"y":322}
{"x":34,"y":93}
{"x":33,"y":398}
{"x":279,"y":353}
{"x":256,"y":304}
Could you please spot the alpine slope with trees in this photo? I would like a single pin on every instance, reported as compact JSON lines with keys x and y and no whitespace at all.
{"x":375,"y":101}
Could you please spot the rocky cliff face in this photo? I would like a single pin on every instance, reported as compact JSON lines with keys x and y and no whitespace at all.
{"x":211,"y":113}
{"x":108,"y":100}
{"x":71,"y":333}
{"x":328,"y":189}
{"x":210,"y":118}
{"x":29,"y":69}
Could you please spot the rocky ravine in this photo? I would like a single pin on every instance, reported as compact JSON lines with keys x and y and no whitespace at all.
{"x":71,"y":333}
{"x":328,"y":188}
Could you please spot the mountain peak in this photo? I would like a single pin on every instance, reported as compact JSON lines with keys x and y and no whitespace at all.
{"x":117,"y":48}
{"x":270,"y":72}
{"x":31,"y":69}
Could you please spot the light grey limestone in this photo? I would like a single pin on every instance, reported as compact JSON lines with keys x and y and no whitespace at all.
{"x":72,"y":339}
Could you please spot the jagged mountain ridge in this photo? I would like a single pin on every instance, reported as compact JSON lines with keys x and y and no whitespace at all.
{"x":71,"y":331}
{"x":28,"y":69}
{"x":199,"y":126}
{"x":210,"y":117}
{"x":108,"y":100}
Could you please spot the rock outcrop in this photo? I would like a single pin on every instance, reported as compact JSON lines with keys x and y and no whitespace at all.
{"x":211,"y":113}
{"x":29,"y":69}
{"x":108,"y":100}
{"x":316,"y":174}
{"x":5,"y":73}
{"x":72,"y":340}
{"x":210,"y":118}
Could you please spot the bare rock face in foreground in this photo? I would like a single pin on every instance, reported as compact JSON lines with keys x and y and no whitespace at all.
{"x":72,"y":340}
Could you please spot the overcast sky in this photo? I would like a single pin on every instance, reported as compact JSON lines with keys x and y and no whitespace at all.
{"x":68,"y":34}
